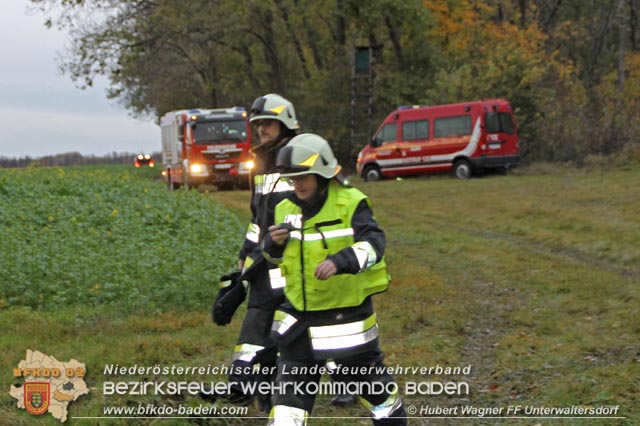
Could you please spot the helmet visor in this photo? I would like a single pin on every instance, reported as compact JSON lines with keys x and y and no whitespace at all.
{"x":285,"y":164}
{"x":258,"y":111}
{"x":296,"y":160}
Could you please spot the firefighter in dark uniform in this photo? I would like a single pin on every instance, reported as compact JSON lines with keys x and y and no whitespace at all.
{"x":275,"y":120}
{"x":329,"y":250}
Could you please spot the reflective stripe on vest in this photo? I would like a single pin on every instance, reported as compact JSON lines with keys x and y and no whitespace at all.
{"x":342,"y":336}
{"x":319,"y":236}
{"x":246,"y":352}
{"x":323,"y":235}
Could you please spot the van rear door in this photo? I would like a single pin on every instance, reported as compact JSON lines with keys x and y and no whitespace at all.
{"x":502,"y":136}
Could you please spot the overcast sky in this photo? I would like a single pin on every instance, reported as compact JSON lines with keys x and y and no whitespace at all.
{"x":42,"y":112}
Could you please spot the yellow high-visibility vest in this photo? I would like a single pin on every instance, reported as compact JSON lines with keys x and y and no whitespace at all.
{"x":328,"y":232}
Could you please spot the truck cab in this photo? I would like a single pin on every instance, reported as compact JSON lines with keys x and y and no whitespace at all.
{"x":207,"y":146}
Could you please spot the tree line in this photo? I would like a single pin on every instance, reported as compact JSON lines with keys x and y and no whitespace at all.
{"x":70,"y":159}
{"x":570,"y":68}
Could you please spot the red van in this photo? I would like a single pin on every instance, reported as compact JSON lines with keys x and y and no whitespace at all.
{"x":460,"y":138}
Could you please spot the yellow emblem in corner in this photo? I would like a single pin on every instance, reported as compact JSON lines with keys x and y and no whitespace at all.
{"x":309,"y":162}
{"x":278,"y":109}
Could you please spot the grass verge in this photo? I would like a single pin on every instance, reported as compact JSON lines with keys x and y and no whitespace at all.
{"x":529,"y":279}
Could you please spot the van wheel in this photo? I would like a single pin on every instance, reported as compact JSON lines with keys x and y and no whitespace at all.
{"x":462,"y":169}
{"x":371,"y":174}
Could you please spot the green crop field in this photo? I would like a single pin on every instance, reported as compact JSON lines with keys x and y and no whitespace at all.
{"x":528,"y":282}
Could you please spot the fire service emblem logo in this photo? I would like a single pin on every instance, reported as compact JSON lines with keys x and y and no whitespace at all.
{"x":36,"y":397}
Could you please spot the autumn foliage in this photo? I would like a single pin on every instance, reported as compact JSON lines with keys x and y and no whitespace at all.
{"x":570,"y":68}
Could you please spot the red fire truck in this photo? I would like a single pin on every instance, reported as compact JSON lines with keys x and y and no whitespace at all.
{"x":460,"y":138}
{"x":206,"y":146}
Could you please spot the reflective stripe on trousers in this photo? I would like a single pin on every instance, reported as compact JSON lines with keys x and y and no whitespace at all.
{"x":246,"y":352}
{"x":343,"y":336}
{"x":384,"y":410}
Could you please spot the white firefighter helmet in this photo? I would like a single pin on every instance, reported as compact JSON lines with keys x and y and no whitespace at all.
{"x":274,"y":107}
{"x":305,"y":154}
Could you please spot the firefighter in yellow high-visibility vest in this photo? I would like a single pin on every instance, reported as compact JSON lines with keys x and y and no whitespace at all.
{"x":329,"y":250}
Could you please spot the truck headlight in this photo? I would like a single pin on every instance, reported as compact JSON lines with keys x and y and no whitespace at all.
{"x":198,"y":169}
{"x":249,"y":165}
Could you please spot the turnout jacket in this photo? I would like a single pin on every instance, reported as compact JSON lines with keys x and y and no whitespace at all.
{"x":353,"y":242}
{"x":267,"y":190}
{"x":336,"y":313}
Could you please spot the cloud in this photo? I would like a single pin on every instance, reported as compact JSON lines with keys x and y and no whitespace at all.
{"x":28,"y":47}
{"x":42,"y":112}
{"x":38,"y":133}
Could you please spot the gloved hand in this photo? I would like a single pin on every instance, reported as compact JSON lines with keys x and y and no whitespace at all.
{"x":229,"y":298}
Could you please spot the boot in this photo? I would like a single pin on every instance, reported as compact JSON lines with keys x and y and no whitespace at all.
{"x":264,"y":403}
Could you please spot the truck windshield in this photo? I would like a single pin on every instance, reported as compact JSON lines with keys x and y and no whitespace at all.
{"x":499,"y":122}
{"x":220,"y":131}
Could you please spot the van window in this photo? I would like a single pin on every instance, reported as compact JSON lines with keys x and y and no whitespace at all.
{"x":412,"y":130}
{"x":496,"y":122}
{"x":452,"y":126}
{"x":386,"y":134}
